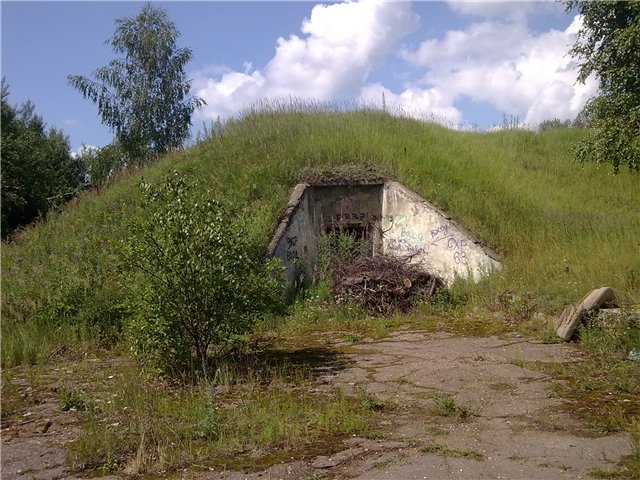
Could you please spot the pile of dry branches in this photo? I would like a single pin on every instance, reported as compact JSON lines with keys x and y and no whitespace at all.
{"x":383,"y":284}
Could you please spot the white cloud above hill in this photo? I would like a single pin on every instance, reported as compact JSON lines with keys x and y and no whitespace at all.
{"x":340,"y":45}
{"x":497,"y":60}
{"x":505,"y":65}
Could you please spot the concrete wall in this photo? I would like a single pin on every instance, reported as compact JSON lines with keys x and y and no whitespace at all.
{"x":314,"y":210}
{"x":397,"y":222}
{"x":416,"y":229}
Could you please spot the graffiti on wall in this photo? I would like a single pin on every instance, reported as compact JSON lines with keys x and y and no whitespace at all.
{"x":292,"y":251}
{"x":459,"y":250}
{"x":400,"y":245}
{"x":354,"y":209}
{"x":403,"y":239}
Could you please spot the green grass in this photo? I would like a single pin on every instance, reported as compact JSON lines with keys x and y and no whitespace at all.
{"x":445,"y":451}
{"x":556,"y":224}
{"x":140,"y":424}
{"x":600,"y":472}
{"x":446,"y":406}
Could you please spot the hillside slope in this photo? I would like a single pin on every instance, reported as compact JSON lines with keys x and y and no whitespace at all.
{"x":560,"y":228}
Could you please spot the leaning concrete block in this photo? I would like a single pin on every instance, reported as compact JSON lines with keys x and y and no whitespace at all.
{"x":573,"y":315}
{"x":569,"y":321}
{"x":597,"y":298}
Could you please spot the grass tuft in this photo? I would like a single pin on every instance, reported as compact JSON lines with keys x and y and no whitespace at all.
{"x":446,"y":406}
{"x":142,"y":425}
{"x":445,"y":451}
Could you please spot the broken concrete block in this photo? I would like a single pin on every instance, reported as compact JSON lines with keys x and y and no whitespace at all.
{"x":568,"y":310}
{"x":597,"y":298}
{"x":569,"y":321}
{"x":634,"y":354}
{"x":573,"y":315}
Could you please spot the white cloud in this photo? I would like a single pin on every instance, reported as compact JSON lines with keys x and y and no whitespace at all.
{"x":429,"y":104}
{"x":228,"y":93}
{"x":507,"y":66}
{"x":502,"y":8}
{"x":83,"y":150}
{"x":340,"y":45}
{"x":481,"y":42}
{"x":497,"y":60}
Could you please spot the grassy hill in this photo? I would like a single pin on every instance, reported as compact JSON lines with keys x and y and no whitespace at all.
{"x":561,"y":228}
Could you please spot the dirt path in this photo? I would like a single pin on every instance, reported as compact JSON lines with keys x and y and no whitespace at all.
{"x":34,"y":446}
{"x":503,"y":422}
{"x":515,"y":430}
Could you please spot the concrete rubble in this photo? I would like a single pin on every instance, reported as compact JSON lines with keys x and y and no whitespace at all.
{"x":572,"y":315}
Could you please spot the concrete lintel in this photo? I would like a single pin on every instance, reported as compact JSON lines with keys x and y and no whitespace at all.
{"x":345,"y":184}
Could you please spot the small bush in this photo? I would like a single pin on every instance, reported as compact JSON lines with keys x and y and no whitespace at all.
{"x":102,"y":163}
{"x":195,"y":281}
{"x":337,"y":248}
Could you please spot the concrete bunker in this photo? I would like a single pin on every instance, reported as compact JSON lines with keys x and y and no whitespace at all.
{"x":394,"y":220}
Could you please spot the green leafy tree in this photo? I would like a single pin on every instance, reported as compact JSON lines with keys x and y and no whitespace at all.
{"x":102,"y":163}
{"x":144,"y":96}
{"x":38,"y":170}
{"x":195,"y":279}
{"x":608,"y":46}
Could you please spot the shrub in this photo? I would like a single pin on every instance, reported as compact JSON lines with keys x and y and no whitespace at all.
{"x":195,"y":281}
{"x":554,"y":124}
{"x":337,"y":248}
{"x":102,"y":163}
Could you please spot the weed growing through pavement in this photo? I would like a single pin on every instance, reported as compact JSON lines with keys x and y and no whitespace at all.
{"x":370,"y":402}
{"x":446,"y":406}
{"x":444,"y":451}
{"x":381,"y":465}
{"x":437,"y":431}
{"x":72,"y":399}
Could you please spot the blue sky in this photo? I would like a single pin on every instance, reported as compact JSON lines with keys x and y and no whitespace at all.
{"x":459,"y":63}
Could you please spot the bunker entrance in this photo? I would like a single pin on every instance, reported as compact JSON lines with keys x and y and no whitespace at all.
{"x":389,"y":219}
